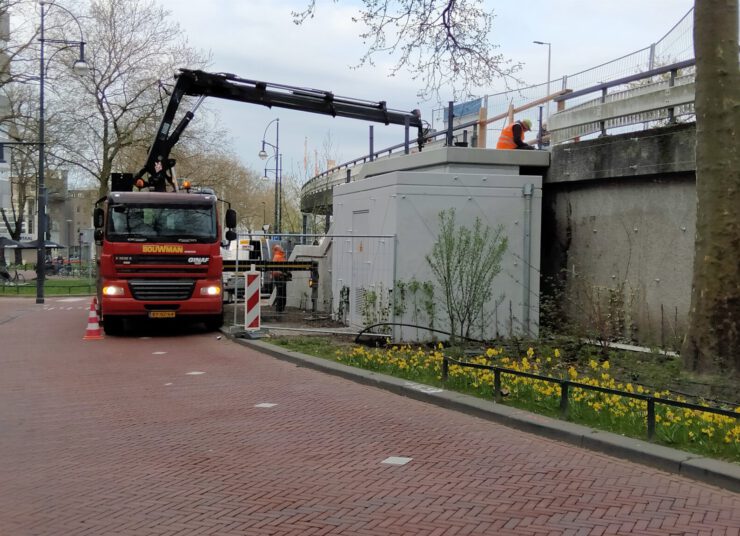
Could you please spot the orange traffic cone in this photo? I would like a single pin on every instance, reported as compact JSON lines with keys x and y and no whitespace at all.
{"x":93,"y":327}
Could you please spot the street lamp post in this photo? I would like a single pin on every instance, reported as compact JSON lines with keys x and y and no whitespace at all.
{"x":70,"y":241}
{"x":549,"y":50}
{"x":278,"y":182}
{"x":80,"y":67}
{"x":278,"y":186}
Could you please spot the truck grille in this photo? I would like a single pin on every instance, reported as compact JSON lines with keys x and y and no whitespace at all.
{"x":160,"y":290}
{"x":162,"y":264}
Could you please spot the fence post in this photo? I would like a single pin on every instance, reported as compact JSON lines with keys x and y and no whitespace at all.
{"x":406,"y":126}
{"x":650,"y":418}
{"x":602,"y":124}
{"x":564,"y":402}
{"x":450,"y":117}
{"x":496,"y":384}
{"x":671,"y":83}
{"x":445,"y":368}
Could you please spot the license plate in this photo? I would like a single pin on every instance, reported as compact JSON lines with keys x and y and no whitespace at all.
{"x":161,"y":314}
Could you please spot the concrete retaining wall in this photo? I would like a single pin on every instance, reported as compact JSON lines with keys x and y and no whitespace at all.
{"x":618,"y":232}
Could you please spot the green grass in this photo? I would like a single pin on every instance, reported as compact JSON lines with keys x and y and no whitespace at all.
{"x":52,"y":287}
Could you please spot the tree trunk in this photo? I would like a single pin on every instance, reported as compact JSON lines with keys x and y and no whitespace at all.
{"x":712,"y":342}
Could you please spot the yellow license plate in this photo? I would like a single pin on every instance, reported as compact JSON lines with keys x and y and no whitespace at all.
{"x":161,"y":314}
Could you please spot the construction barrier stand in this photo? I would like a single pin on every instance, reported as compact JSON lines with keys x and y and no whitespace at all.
{"x":252,"y":301}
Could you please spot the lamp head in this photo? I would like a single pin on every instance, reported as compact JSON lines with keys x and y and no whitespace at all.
{"x":81,"y":68}
{"x":262,"y":154}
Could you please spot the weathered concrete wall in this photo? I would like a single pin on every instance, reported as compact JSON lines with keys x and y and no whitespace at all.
{"x":618,"y":232}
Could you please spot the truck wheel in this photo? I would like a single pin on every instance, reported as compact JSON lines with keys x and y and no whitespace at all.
{"x":215,"y":322}
{"x":113,"y":325}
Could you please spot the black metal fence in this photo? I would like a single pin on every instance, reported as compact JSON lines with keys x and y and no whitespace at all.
{"x":567,"y":385}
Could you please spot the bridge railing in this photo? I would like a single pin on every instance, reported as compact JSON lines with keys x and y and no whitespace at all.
{"x":640,"y":100}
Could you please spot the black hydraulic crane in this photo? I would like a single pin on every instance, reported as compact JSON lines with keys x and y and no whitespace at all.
{"x":203,"y":84}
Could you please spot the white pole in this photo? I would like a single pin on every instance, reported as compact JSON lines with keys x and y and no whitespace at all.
{"x":549,"y":50}
{"x":549,"y":56}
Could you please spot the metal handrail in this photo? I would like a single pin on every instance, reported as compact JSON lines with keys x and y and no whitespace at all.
{"x":627,"y":79}
{"x":566,"y":385}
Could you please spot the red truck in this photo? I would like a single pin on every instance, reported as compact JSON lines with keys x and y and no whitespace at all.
{"x":160,"y":257}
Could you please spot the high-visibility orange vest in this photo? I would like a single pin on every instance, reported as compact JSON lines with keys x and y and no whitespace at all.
{"x":278,"y":255}
{"x":506,"y":140}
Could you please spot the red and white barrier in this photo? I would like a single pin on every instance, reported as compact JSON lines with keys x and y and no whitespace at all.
{"x":252,"y":301}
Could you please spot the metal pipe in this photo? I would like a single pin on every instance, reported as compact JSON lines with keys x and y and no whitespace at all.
{"x":372,"y":143}
{"x":450,"y":117}
{"x":407,"y":125}
{"x":41,"y":231}
{"x":527,"y":191}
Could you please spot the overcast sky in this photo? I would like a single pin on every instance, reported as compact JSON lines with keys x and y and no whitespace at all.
{"x":257,"y":39}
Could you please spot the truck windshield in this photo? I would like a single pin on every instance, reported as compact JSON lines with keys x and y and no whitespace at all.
{"x":157,"y":223}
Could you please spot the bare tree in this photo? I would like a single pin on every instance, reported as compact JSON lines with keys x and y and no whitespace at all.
{"x":17,"y":52}
{"x":319,"y":206}
{"x":17,"y":114}
{"x":134,"y":46}
{"x":20,"y":126}
{"x":712,"y":342}
{"x":441,"y":43}
{"x":231,"y":180}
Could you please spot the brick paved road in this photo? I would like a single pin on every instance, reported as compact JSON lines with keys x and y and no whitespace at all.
{"x":114,"y":437}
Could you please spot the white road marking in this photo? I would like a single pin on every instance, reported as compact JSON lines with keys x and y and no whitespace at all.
{"x":144,"y":338}
{"x":71,"y":299}
{"x":194,"y":373}
{"x":264,"y":405}
{"x":167,"y":384}
{"x":397,"y":460}
{"x":423,"y":388}
{"x":158,"y":353}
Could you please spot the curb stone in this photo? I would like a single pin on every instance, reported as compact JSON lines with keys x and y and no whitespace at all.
{"x":718,"y":473}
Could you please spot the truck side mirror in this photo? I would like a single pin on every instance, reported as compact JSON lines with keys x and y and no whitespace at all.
{"x":231,"y":219}
{"x":98,"y":218}
{"x":98,"y":236}
{"x":230,"y":235}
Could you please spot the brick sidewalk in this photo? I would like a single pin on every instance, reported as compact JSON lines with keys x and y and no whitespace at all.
{"x":115,"y":437}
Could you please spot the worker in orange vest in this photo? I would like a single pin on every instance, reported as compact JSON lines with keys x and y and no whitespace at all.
{"x":280,"y":278}
{"x":512,"y":136}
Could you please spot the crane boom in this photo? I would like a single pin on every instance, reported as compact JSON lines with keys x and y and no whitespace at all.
{"x":231,"y":87}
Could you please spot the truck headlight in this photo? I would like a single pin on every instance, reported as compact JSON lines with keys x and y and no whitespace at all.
{"x":210,"y":290}
{"x":113,"y":290}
